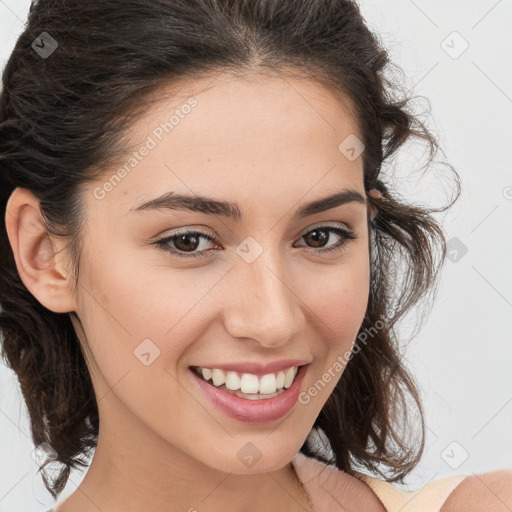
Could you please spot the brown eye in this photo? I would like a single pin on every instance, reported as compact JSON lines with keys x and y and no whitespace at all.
{"x":320,"y":235}
{"x":187,"y":242}
{"x":183,"y":242}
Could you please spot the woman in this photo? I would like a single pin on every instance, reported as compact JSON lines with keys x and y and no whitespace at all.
{"x":199,"y":257}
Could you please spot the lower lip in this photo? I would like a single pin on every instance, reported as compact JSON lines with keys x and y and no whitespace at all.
{"x":253,"y":411}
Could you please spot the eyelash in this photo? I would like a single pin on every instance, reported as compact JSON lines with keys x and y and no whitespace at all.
{"x":347,"y":234}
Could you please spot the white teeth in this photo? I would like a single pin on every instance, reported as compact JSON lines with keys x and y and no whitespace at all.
{"x":268,"y":384}
{"x":280,"y":380}
{"x":290,"y":375}
{"x":218,"y":377}
{"x":232,"y":381}
{"x":207,"y":373}
{"x":250,"y":383}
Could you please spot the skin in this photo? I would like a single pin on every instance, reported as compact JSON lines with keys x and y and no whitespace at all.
{"x":271,"y":145}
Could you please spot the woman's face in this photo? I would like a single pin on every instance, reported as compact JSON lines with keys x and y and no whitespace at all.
{"x":263,"y":288}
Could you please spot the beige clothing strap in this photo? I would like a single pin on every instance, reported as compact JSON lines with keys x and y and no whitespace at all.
{"x":429,"y":498}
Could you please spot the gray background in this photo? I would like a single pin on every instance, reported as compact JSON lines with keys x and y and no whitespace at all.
{"x":463,"y":354}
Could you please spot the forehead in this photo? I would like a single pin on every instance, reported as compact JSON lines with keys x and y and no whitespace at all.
{"x":256,"y":102}
{"x":250,"y":133}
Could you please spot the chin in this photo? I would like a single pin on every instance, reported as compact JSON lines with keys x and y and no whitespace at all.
{"x":251,"y":459}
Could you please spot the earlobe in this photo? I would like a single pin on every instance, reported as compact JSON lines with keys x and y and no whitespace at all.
{"x":35,"y":253}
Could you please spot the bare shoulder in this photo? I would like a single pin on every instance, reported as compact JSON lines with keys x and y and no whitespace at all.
{"x":328,"y":483}
{"x":360,"y":496}
{"x":481,"y":493}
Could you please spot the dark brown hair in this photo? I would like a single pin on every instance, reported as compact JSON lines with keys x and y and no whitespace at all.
{"x":62,"y":121}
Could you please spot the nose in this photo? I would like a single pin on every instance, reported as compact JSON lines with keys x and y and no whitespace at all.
{"x":263,"y":305}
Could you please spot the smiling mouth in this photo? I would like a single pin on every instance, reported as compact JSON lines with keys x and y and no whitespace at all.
{"x":249,"y":386}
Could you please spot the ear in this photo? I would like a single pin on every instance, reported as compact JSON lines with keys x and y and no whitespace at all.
{"x":40,"y":258}
{"x":372,"y":212}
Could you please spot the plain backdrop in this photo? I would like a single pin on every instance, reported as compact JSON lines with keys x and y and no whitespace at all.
{"x":456,"y":54}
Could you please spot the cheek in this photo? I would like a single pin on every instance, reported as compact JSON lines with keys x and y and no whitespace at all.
{"x":137,"y":329}
{"x":338,"y":298}
{"x":144,"y":329}
{"x":338,"y":301}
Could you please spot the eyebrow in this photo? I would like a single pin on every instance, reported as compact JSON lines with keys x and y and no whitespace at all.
{"x":208,"y":205}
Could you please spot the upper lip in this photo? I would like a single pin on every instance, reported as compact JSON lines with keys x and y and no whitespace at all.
{"x":255,"y":367}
